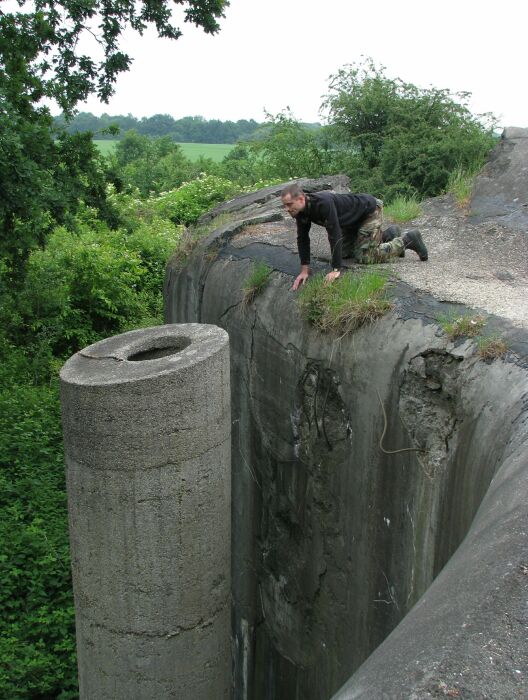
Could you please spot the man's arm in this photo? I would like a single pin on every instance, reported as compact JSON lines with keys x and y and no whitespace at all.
{"x":303,"y":246}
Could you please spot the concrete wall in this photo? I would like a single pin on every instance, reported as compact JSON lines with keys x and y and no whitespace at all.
{"x":146,"y":419}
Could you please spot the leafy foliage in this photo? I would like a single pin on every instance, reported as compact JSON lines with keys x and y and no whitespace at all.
{"x":37,"y":644}
{"x":150,"y":165}
{"x":291,"y":150}
{"x":93,"y":283}
{"x":44,"y":175}
{"x":402,"y":139}
{"x":187,"y":203}
{"x":39,"y":47}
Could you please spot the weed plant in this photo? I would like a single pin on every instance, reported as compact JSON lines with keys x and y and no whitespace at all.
{"x":403,"y":209}
{"x":256,"y":281}
{"x":460,"y":183}
{"x":492,"y":347}
{"x":456,"y":325}
{"x":349,"y":302}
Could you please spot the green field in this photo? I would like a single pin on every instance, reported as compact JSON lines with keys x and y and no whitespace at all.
{"x":215,"y":151}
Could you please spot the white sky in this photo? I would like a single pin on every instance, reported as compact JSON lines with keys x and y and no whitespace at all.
{"x":273,"y":54}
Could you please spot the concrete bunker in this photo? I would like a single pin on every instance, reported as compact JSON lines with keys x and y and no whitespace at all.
{"x":391,"y":571}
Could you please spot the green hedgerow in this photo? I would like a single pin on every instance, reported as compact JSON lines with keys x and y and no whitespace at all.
{"x":345,"y":304}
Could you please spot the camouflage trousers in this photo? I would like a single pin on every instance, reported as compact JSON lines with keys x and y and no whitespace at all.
{"x":366,"y":247}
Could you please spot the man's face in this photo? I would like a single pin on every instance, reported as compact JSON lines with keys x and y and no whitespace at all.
{"x":294,"y":205}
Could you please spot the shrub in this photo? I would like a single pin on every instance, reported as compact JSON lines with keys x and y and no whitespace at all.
{"x":404,"y":139}
{"x":347,"y":303}
{"x":93,"y":283}
{"x":37,"y":642}
{"x":186,"y":204}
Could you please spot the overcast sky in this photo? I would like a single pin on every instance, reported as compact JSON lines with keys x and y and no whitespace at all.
{"x":273,"y":54}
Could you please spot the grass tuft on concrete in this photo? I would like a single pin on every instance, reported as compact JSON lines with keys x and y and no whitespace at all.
{"x":456,"y":325}
{"x":352,"y":300}
{"x":403,"y":209}
{"x":460,"y":183}
{"x":492,"y":347}
{"x":256,"y":281}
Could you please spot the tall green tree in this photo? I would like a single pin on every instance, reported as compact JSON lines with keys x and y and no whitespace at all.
{"x":44,"y":173}
{"x":39,"y":46}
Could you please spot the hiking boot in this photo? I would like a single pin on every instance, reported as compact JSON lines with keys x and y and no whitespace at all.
{"x":413,"y":240}
{"x":392,"y":231}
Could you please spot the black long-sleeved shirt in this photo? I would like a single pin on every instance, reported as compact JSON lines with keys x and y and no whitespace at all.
{"x":335,"y":212}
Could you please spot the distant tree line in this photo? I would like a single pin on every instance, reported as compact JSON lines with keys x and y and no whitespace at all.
{"x":186,"y":130}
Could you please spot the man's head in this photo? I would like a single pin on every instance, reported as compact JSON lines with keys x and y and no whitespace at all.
{"x":294,"y":199}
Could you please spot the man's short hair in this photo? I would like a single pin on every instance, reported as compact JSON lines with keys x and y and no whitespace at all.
{"x":294,"y":190}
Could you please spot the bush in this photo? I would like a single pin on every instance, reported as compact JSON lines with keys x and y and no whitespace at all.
{"x":150,"y":165}
{"x":402,"y":139}
{"x":186,"y":204}
{"x":37,"y":643}
{"x":93,"y":283}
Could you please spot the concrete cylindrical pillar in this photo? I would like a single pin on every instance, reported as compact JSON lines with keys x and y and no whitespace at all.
{"x":146,"y":420}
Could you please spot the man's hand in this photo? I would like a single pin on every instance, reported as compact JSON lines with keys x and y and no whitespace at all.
{"x":301,"y":278}
{"x":331,"y":276}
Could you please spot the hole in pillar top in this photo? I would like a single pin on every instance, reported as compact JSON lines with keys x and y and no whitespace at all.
{"x":160,"y":347}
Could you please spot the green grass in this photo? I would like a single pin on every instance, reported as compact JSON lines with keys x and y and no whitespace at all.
{"x":105,"y":146}
{"x":215,"y":151}
{"x":350,"y":301}
{"x":456,"y":325}
{"x":256,"y":281}
{"x":402,"y":209}
{"x":492,"y":347}
{"x":460,"y":183}
{"x":192,"y":151}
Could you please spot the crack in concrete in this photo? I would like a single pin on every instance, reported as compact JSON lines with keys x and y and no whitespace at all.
{"x":142,"y":468}
{"x":88,"y":355}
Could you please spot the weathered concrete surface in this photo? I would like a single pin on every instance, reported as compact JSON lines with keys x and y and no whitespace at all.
{"x":146,"y":418}
{"x":334,"y":541}
{"x":501,"y":190}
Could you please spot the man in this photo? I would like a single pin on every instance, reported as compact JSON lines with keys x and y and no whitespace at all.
{"x":353,"y":223}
